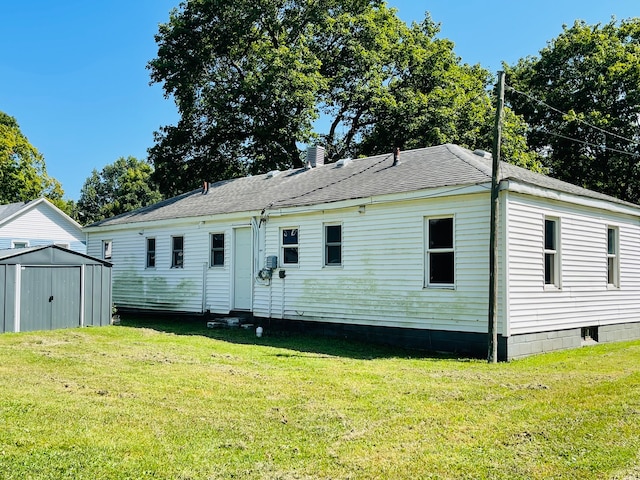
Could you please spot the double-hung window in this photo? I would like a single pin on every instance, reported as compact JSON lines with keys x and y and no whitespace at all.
{"x":107,"y":249}
{"x":551,"y":252}
{"x":217,"y":250}
{"x":333,"y":245}
{"x":177,"y":252}
{"x":151,"y":252}
{"x":440,"y":259}
{"x":613,"y":259}
{"x":289,"y":238}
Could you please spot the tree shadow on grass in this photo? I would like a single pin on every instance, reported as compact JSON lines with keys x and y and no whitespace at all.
{"x":278,"y":337}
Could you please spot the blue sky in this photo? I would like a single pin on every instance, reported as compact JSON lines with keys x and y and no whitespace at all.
{"x":72,"y":72}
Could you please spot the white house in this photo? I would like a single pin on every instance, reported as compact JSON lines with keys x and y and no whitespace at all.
{"x":37,"y":223}
{"x":389,"y":251}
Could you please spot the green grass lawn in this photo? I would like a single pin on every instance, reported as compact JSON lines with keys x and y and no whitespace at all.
{"x":150,"y":400}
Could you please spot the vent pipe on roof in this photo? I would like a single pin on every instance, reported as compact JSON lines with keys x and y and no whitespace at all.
{"x":396,"y":156}
{"x":205,"y":187}
{"x":315,"y":156}
{"x":483,"y":154}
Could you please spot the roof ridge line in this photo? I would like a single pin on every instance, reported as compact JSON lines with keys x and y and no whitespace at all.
{"x":475,"y":163}
{"x":309,"y":192}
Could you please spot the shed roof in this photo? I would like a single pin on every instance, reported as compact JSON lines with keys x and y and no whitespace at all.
{"x":419,"y":169}
{"x":47,"y":255}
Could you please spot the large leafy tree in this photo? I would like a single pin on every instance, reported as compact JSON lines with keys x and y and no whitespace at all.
{"x":250,"y":78}
{"x":581,"y":99}
{"x":118,"y":188}
{"x":23,"y":174}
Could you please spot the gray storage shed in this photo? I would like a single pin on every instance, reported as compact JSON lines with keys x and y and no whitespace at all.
{"x":51,"y":287}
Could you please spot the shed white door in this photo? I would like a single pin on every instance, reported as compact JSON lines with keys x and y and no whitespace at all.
{"x":242,"y":274}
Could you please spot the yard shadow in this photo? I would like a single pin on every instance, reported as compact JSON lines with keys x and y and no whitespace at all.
{"x":278,"y":337}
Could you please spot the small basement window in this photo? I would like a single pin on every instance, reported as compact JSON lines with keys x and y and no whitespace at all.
{"x":589,"y":335}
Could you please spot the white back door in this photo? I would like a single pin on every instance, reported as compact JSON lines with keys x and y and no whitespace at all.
{"x":242,"y":271}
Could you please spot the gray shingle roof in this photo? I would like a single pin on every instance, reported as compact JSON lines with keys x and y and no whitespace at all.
{"x":424,"y":168}
{"x":8,"y":210}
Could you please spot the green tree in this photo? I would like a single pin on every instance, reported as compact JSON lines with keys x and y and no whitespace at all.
{"x":118,"y":188}
{"x":23,"y":174}
{"x":250,"y":78}
{"x":590,"y":75}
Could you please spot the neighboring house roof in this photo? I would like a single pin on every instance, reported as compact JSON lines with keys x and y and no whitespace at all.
{"x":12,"y":210}
{"x":7,"y":211}
{"x":420,"y":169}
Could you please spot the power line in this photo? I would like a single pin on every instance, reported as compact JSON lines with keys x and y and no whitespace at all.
{"x":631,"y":154}
{"x":531,"y":97}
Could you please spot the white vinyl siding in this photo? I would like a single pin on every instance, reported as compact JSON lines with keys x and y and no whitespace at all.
{"x":165,"y":288}
{"x":381,"y":281}
{"x":584,"y":299}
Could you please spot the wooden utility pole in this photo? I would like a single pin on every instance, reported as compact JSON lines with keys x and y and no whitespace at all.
{"x":493,"y":235}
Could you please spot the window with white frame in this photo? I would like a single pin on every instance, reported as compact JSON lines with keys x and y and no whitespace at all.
{"x":151,"y":252}
{"x":107,"y":247}
{"x":333,"y":245}
{"x":440,"y":261}
{"x":19,"y":243}
{"x":289,"y":246}
{"x":217,"y":250}
{"x":613,"y":259}
{"x":551,"y":252}
{"x":177,"y":252}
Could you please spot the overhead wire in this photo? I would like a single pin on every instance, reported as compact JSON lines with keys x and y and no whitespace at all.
{"x":606,"y":132}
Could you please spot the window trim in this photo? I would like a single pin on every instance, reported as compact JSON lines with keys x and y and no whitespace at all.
{"x":428,"y":251}
{"x":148,"y":251}
{"x":213,"y":249}
{"x":292,"y":246}
{"x":107,"y":246}
{"x":328,"y":244}
{"x":180,"y":252}
{"x":556,"y":281}
{"x":615,"y":256}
